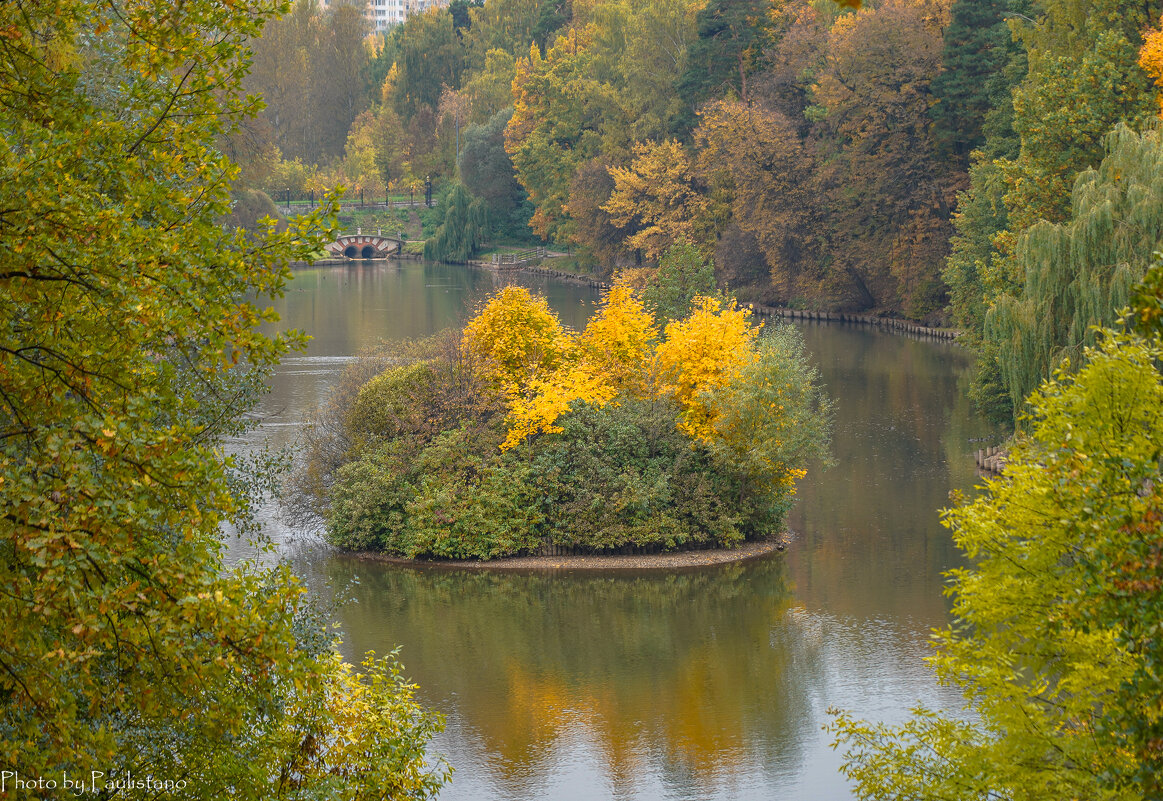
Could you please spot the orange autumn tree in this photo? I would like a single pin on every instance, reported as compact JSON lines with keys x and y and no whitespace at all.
{"x":1151,"y":58}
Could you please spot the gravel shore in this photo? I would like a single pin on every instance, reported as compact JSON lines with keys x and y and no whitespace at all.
{"x":658,"y":561}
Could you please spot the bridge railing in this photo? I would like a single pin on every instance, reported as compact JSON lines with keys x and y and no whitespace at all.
{"x":380,"y":232}
{"x":520,"y":256}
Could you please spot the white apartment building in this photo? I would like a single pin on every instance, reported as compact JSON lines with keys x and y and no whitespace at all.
{"x":384,"y":14}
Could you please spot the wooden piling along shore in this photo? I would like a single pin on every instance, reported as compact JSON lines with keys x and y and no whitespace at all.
{"x":562,"y":275}
{"x":992,"y":460}
{"x":893,"y":324}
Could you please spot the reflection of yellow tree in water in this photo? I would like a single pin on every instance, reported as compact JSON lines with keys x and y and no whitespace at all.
{"x":684,"y":671}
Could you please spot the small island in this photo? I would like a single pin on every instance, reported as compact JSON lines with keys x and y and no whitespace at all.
{"x":671,"y":422}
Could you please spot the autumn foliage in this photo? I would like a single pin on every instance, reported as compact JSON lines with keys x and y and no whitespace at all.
{"x":620,"y":434}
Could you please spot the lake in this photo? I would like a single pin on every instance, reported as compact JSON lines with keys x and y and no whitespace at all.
{"x":705,"y":683}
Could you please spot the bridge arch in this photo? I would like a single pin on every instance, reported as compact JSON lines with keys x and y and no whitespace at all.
{"x":364,"y":246}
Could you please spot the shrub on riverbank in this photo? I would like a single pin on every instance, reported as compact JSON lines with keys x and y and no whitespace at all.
{"x":518,"y":433}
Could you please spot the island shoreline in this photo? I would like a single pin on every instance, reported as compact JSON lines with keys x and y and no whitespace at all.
{"x":666,"y":560}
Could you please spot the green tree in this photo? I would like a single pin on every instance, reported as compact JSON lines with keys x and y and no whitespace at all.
{"x":338,"y":62}
{"x":774,"y":418}
{"x":658,"y":37}
{"x":281,"y":74}
{"x":552,"y":17}
{"x":683,"y":275}
{"x":504,"y":25}
{"x":1083,"y":78}
{"x":1075,"y":77}
{"x":722,"y":58}
{"x":980,"y":216}
{"x":461,"y":11}
{"x":1079,"y":273}
{"x":978,"y":45}
{"x":1146,"y":311}
{"x":464,"y":230}
{"x":310,"y":67}
{"x":981,"y":210}
{"x":129,"y":341}
{"x":1055,"y":641}
{"x":429,"y":55}
{"x":560,"y":112}
{"x":490,"y":88}
{"x":487,"y":170}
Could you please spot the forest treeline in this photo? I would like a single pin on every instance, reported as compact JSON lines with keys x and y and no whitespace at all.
{"x":992,"y":164}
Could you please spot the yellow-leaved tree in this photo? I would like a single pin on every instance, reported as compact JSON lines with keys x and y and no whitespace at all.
{"x":546,"y":399}
{"x":612,"y":356}
{"x":518,"y":338}
{"x":619,"y":342}
{"x":542,"y":370}
{"x":702,"y":353}
{"x":657,"y":195}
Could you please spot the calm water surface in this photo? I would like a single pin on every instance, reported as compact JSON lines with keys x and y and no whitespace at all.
{"x":707,"y":683}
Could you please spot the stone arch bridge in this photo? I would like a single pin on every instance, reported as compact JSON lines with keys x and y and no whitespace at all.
{"x":364,"y":246}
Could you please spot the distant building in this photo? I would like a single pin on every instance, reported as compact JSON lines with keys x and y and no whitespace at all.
{"x":383,"y":14}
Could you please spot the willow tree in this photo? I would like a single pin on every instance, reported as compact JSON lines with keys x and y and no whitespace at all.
{"x":129,"y":340}
{"x":465,"y":228}
{"x":1073,"y":80}
{"x":1079,"y":273}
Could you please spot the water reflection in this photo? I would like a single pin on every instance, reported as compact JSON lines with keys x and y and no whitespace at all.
{"x":682,"y":675}
{"x":870,"y":540}
{"x":349,"y":308}
{"x":710,"y":683}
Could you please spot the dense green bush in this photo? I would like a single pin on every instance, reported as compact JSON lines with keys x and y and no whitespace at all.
{"x":489,"y":513}
{"x":457,"y":497}
{"x":615,"y":475}
{"x":368,"y":502}
{"x":394,"y":403}
{"x":624,"y":474}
